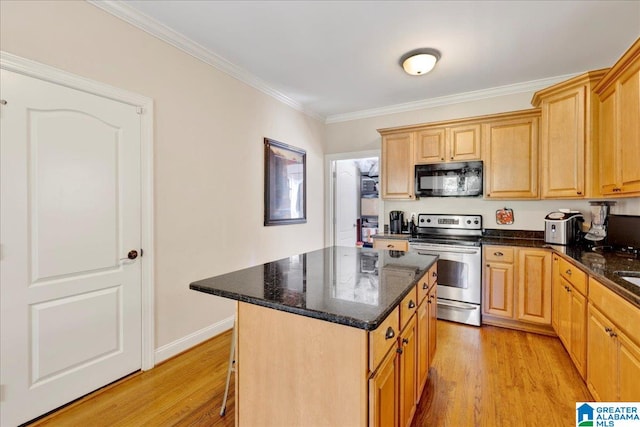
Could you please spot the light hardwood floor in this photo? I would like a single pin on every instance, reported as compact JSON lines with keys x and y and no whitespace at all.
{"x":480,"y":377}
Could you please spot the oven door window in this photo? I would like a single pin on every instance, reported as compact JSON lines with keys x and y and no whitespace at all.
{"x":454,"y":274}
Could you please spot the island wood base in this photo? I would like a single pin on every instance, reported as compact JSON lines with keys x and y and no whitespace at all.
{"x":293,"y":370}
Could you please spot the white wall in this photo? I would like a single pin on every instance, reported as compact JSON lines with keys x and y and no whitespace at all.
{"x":359,"y":135}
{"x":208,"y":150}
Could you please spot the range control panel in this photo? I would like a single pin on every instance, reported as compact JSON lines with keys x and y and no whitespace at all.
{"x":462,"y":222}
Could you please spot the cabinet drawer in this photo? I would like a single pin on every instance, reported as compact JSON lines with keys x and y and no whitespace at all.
{"x":499,"y":253}
{"x":624,"y":314}
{"x":391,"y":244}
{"x":429,"y":279}
{"x":381,"y":339}
{"x":574,"y":275}
{"x":408,"y":306}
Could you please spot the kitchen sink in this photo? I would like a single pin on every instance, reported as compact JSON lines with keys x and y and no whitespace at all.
{"x":632,"y":277}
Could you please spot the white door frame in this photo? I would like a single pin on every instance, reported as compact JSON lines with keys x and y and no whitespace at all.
{"x":329,"y":159}
{"x":41,"y":71}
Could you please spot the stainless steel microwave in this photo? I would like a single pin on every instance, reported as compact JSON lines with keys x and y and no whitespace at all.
{"x":453,"y":179}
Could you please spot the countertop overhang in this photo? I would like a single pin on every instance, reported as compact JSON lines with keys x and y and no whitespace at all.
{"x":357,"y":287}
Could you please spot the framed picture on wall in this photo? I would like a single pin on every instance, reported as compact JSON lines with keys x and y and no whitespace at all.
{"x":285,"y":186}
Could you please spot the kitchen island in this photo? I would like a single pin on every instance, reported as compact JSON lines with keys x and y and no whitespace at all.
{"x":335,"y":337}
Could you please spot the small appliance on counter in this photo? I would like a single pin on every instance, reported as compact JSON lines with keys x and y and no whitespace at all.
{"x":623,"y":236}
{"x":396,"y":219}
{"x":562,"y":228}
{"x":599,"y":212}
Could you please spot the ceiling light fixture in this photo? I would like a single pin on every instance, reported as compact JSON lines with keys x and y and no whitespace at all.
{"x":419,"y":61}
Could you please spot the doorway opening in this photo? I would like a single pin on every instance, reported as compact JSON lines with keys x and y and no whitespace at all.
{"x":356,"y":200}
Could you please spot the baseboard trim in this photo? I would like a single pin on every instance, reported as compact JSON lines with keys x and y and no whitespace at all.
{"x":178,"y":346}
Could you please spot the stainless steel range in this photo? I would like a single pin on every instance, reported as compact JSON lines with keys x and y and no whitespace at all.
{"x":456,"y":239}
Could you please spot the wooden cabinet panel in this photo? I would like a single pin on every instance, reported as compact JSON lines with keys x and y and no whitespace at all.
{"x":564,"y":313}
{"x":534,"y":286}
{"x":607,"y":148}
{"x":424,"y":359}
{"x":574,"y":275}
{"x":628,"y":108}
{"x":578,"y":340}
{"x":498,"y":284}
{"x":383,"y":399}
{"x":619,"y":144}
{"x":511,"y":158}
{"x":408,"y":307}
{"x":629,"y":389}
{"x":499,"y":254}
{"x":433,"y":322}
{"x":463,"y":142}
{"x":601,"y":369}
{"x":397,"y":172}
{"x":555,"y":291}
{"x":430,"y":146}
{"x":408,"y":383}
{"x":391,"y":244}
{"x":568,"y":137}
{"x":383,"y":338}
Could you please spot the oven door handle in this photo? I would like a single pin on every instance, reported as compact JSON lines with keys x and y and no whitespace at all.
{"x":436,"y":251}
{"x":458,"y":305}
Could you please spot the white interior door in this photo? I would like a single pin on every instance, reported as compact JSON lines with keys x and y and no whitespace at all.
{"x":347,"y":200}
{"x":69,"y":213}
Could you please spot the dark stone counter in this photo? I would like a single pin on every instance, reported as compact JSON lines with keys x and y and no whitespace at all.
{"x":356,"y":287}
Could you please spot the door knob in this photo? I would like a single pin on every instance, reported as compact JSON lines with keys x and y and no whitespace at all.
{"x":133,"y":254}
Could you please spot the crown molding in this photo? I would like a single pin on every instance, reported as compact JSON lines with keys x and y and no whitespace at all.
{"x":128,"y":14}
{"x":476,"y":95}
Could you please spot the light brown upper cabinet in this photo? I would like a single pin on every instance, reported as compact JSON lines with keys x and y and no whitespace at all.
{"x":619,"y":135}
{"x":568,"y":137}
{"x":511,"y":155}
{"x":448,"y":144}
{"x":397,"y":169}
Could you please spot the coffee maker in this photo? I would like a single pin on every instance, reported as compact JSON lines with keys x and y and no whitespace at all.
{"x":396,"y":218}
{"x":599,"y":213}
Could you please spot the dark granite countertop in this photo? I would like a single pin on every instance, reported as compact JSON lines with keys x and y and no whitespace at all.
{"x":601,"y":265}
{"x":356,"y":287}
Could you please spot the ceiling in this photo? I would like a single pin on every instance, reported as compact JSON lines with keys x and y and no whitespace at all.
{"x":334,"y":59}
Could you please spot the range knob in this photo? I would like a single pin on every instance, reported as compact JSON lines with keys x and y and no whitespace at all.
{"x":421,"y":220}
{"x":428,"y":220}
{"x":468,"y":221}
{"x":476,"y":222}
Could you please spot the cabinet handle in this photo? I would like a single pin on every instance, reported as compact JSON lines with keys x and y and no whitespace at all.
{"x":442,"y":158}
{"x":405,"y":341}
{"x":434,"y":274}
{"x":613,"y":334}
{"x":608,"y":330}
{"x":498,"y":254}
{"x":425,"y":286}
{"x":568,"y":272}
{"x":389,"y":246}
{"x":579,"y":193}
{"x":389,"y":334}
{"x":429,"y":300}
{"x":399,"y":350}
{"x":411,"y":304}
{"x":488,"y":265}
{"x":451,"y":157}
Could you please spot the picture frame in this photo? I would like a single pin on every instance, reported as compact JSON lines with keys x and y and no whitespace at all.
{"x":285,"y":184}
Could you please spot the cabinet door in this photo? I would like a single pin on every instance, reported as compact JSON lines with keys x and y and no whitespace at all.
{"x":564,"y":313}
{"x":463,"y":142}
{"x":534,"y":286}
{"x":628,"y":141}
{"x":430,"y":146}
{"x":383,"y":397}
{"x":563,"y":144}
{"x":601,"y":368}
{"x":423,"y":346}
{"x":498,"y":289}
{"x":433,"y":322}
{"x":556,"y":288}
{"x":629,"y":370}
{"x":511,"y":158}
{"x":408,"y":373}
{"x":397,"y":171}
{"x":606,"y":146}
{"x":578,"y":344}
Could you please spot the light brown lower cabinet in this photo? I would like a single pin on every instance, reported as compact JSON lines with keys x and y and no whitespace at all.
{"x":399,"y":379}
{"x":570,"y":309}
{"x":517,"y":288}
{"x":613,"y":346}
